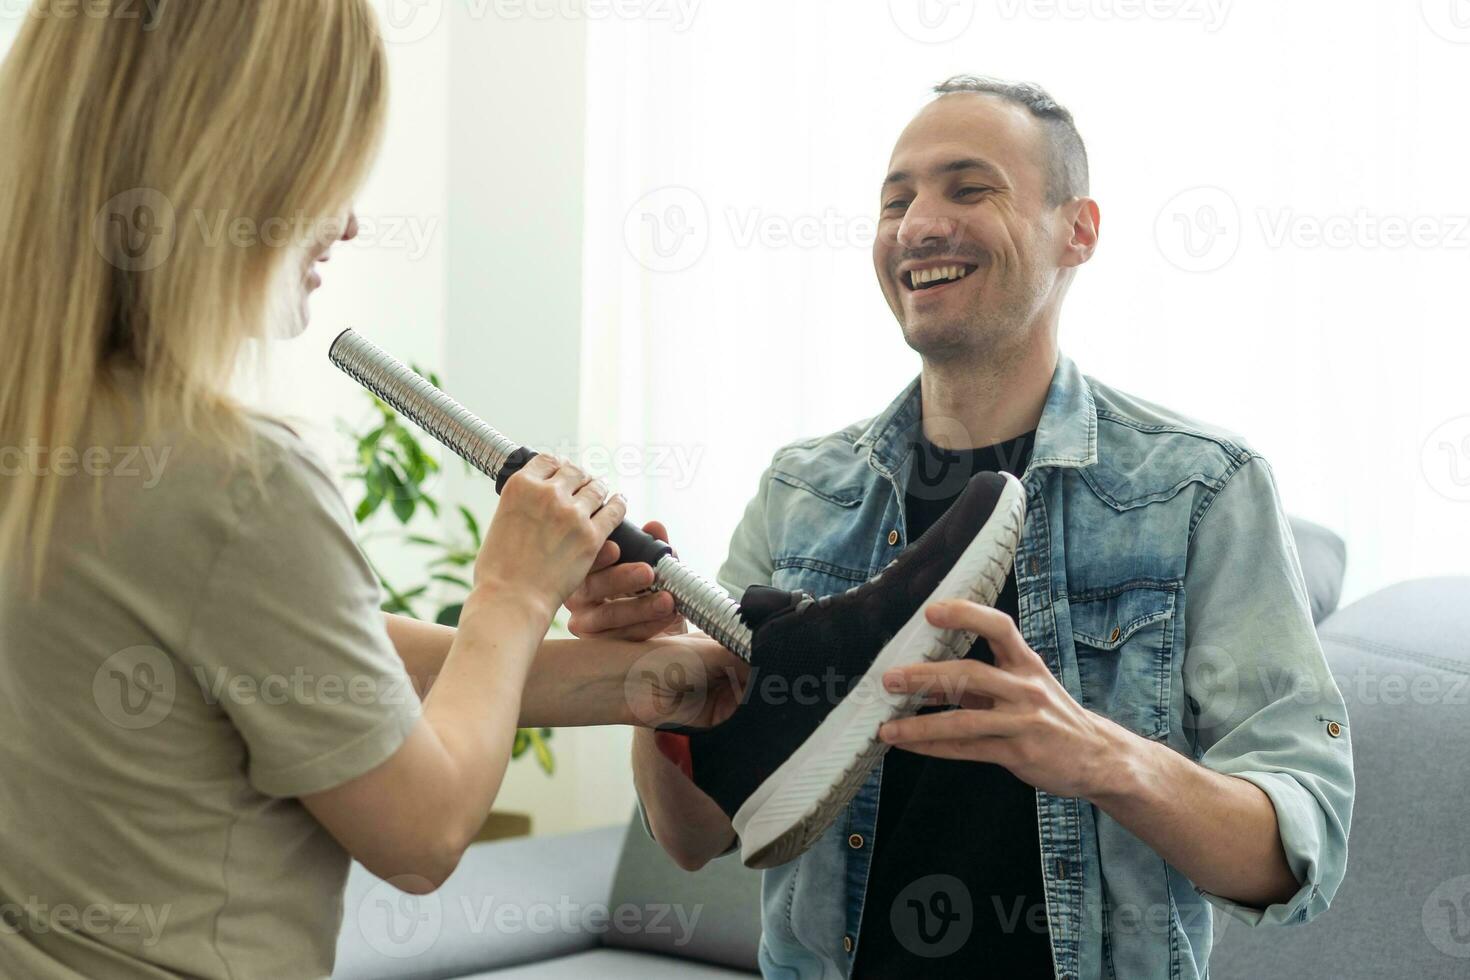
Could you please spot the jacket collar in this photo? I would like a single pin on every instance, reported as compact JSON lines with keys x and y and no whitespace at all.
{"x":1065,"y":437}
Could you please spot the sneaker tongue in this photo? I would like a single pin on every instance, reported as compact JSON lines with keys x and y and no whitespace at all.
{"x":761,"y":602}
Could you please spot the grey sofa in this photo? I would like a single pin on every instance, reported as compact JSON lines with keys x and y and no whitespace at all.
{"x":608,"y":904}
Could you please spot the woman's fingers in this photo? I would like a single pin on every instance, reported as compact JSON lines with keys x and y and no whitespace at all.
{"x":590,"y":497}
{"x":606,"y":520}
{"x":542,"y":466}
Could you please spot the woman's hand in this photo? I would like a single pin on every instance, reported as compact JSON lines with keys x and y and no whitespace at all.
{"x":551,"y":523}
{"x":684,"y":679}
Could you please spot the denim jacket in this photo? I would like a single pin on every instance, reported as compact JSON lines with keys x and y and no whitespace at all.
{"x":1159,"y":581}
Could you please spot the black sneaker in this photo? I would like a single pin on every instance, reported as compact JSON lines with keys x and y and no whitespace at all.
{"x":805,"y":737}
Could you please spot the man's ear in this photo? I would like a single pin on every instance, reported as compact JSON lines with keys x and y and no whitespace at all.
{"x":1086,"y":221}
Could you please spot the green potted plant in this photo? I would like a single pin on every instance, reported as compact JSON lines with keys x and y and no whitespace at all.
{"x":393,"y":470}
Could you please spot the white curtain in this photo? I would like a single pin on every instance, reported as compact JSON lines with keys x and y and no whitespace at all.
{"x":1285,"y":238}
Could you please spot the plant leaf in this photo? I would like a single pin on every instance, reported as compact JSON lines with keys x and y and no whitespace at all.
{"x":403,"y":499}
{"x":543,"y":753}
{"x":369,"y":504}
{"x":470,"y":523}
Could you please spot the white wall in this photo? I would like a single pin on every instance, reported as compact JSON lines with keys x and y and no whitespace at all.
{"x":759,"y":122}
{"x":391,"y":284}
{"x":517,"y":122}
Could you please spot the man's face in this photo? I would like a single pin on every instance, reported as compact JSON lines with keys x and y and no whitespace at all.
{"x":966,"y":196}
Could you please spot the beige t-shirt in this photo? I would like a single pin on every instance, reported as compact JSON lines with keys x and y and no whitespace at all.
{"x":164,"y":703}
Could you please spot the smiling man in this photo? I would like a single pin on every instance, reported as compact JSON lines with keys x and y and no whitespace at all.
{"x":1146,"y":726}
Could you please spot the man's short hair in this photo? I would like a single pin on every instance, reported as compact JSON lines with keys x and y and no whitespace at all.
{"x":1067,"y":175}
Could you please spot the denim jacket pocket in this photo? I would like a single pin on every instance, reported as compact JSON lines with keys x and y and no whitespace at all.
{"x":819,"y":545}
{"x":1123,"y":637}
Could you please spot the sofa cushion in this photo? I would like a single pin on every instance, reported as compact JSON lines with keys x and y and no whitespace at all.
{"x":713,"y":914}
{"x":611,"y":964}
{"x":1324,"y":559}
{"x":1402,"y":659}
{"x":508,"y":903}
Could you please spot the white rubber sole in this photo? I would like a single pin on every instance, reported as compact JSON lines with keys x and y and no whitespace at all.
{"x":798,"y":802}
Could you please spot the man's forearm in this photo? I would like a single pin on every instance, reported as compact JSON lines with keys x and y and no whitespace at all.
{"x":689,"y":825}
{"x":1220,"y":831}
{"x":571,"y":682}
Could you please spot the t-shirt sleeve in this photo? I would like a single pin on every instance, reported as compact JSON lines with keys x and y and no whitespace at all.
{"x":288,"y":639}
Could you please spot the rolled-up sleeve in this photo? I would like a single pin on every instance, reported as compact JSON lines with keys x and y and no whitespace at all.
{"x":1262,"y":703}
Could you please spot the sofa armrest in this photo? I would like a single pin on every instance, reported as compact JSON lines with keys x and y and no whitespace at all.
{"x":509,"y":902}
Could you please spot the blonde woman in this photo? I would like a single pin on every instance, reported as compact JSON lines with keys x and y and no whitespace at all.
{"x":202,"y":713}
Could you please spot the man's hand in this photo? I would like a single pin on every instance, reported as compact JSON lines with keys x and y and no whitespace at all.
{"x":685,"y":679}
{"x":614,"y":602}
{"x":1014,"y":713}
{"x":1220,"y":831}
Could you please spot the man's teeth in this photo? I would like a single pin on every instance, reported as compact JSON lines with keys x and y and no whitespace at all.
{"x":943,"y":273}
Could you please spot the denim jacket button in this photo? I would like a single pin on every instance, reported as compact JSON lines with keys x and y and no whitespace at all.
{"x":855,"y":841}
{"x":847,"y":943}
{"x":893,"y":537}
{"x":1334,"y":729}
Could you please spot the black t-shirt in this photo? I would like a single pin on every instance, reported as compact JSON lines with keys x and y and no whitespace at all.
{"x":955,"y":886}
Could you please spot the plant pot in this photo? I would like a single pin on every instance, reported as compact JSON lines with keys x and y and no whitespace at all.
{"x":504,"y":826}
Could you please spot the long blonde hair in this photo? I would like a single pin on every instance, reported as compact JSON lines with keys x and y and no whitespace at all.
{"x":133,"y":137}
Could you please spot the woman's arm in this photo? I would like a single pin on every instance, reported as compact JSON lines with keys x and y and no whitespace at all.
{"x":574,"y":683}
{"x":422,"y":646}
{"x":412,"y":817}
